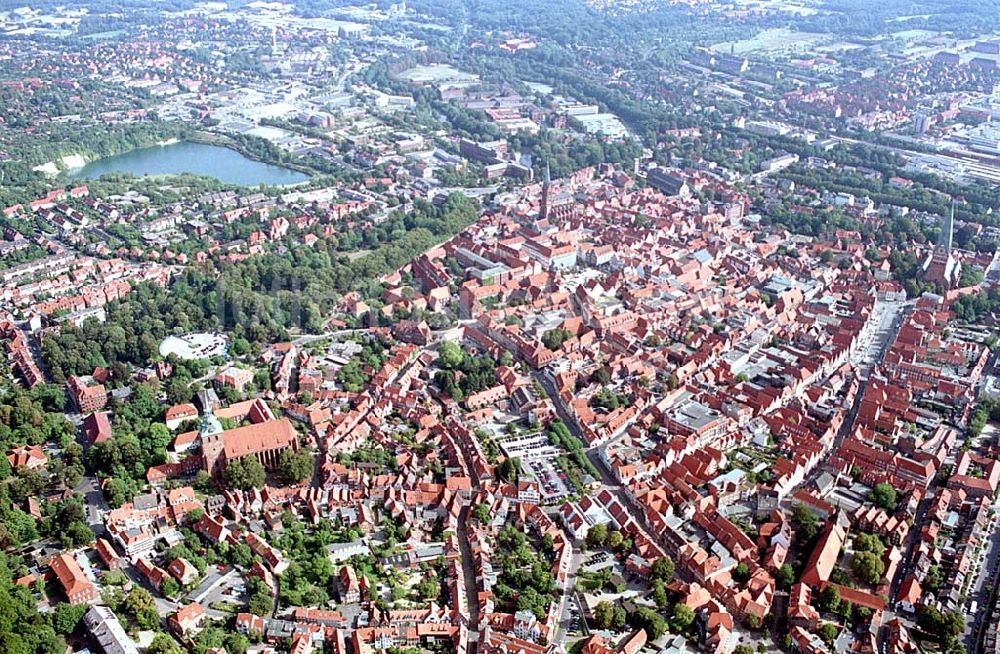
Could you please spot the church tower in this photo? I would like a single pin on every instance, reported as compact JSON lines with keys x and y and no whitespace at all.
{"x":947,"y":233}
{"x":543,"y":210}
{"x":941,"y":266}
{"x":213,"y":447}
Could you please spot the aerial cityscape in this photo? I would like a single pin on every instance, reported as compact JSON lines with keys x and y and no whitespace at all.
{"x":499,"y":326}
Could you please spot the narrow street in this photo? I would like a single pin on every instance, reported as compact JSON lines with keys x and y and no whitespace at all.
{"x":469,"y":573}
{"x":986,"y":596}
{"x":465,"y":551}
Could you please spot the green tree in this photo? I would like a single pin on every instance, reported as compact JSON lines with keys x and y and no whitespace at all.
{"x":245,"y":473}
{"x":163,"y":644}
{"x":170,"y":587}
{"x":869,"y":543}
{"x":240,"y":346}
{"x":829,"y":598}
{"x":321,"y":568}
{"x":600,"y":376}
{"x":296,"y":467}
{"x":140,"y":605}
{"x":619,"y":618}
{"x":785,"y":576}
{"x":650,"y":620}
{"x":554,"y":338}
{"x":828,"y":632}
{"x":945,"y":626}
{"x":509,"y":470}
{"x":933,"y":578}
{"x":259,"y":603}
{"x":20,"y":526}
{"x":67,"y":617}
{"x":682,"y":618}
{"x":203,"y":482}
{"x":450,"y":355}
{"x":241,"y":555}
{"x":659,"y":594}
{"x":884,"y":497}
{"x":663,"y":569}
{"x":179,"y":390}
{"x":429,"y":588}
{"x":211,"y":636}
{"x":114,"y":578}
{"x":597,"y":535}
{"x":603,"y":614}
{"x":237,"y":644}
{"x":867,"y":567}
{"x":158,"y":438}
{"x":806,"y":523}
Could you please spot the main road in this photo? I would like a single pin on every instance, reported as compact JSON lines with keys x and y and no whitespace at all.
{"x":881,"y":341}
{"x":469,"y":575}
{"x":465,"y":551}
{"x":877,"y":347}
{"x":987,"y":584}
{"x":593,"y":455}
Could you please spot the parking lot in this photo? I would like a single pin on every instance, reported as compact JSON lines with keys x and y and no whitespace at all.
{"x":552,"y":481}
{"x":220,"y":588}
{"x":598,"y":561}
{"x":539,"y":462}
{"x":529,"y":446}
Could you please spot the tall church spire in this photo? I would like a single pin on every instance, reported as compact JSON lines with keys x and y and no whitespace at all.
{"x":543,"y":210}
{"x":947,"y":232}
{"x":942,"y":266}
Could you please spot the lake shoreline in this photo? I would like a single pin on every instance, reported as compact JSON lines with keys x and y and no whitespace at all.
{"x":198,"y":156}
{"x":209,"y":138}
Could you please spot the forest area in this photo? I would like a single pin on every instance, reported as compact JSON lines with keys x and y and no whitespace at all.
{"x":262,"y":299}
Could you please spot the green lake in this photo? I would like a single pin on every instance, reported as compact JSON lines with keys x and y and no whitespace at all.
{"x":216,"y":161}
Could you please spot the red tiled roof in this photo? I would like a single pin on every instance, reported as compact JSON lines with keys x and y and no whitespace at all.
{"x":180,"y":411}
{"x":26,"y":455}
{"x":825,"y":556}
{"x":260,"y":437}
{"x":97,"y":427}
{"x":68,"y":571}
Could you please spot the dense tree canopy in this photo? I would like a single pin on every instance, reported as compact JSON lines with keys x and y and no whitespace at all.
{"x":296,"y":467}
{"x":259,"y":299}
{"x":245,"y":473}
{"x":884,"y":496}
{"x":867,"y":567}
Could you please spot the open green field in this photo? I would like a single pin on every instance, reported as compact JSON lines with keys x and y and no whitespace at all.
{"x":103,"y":36}
{"x":774,"y":41}
{"x":437,"y":73}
